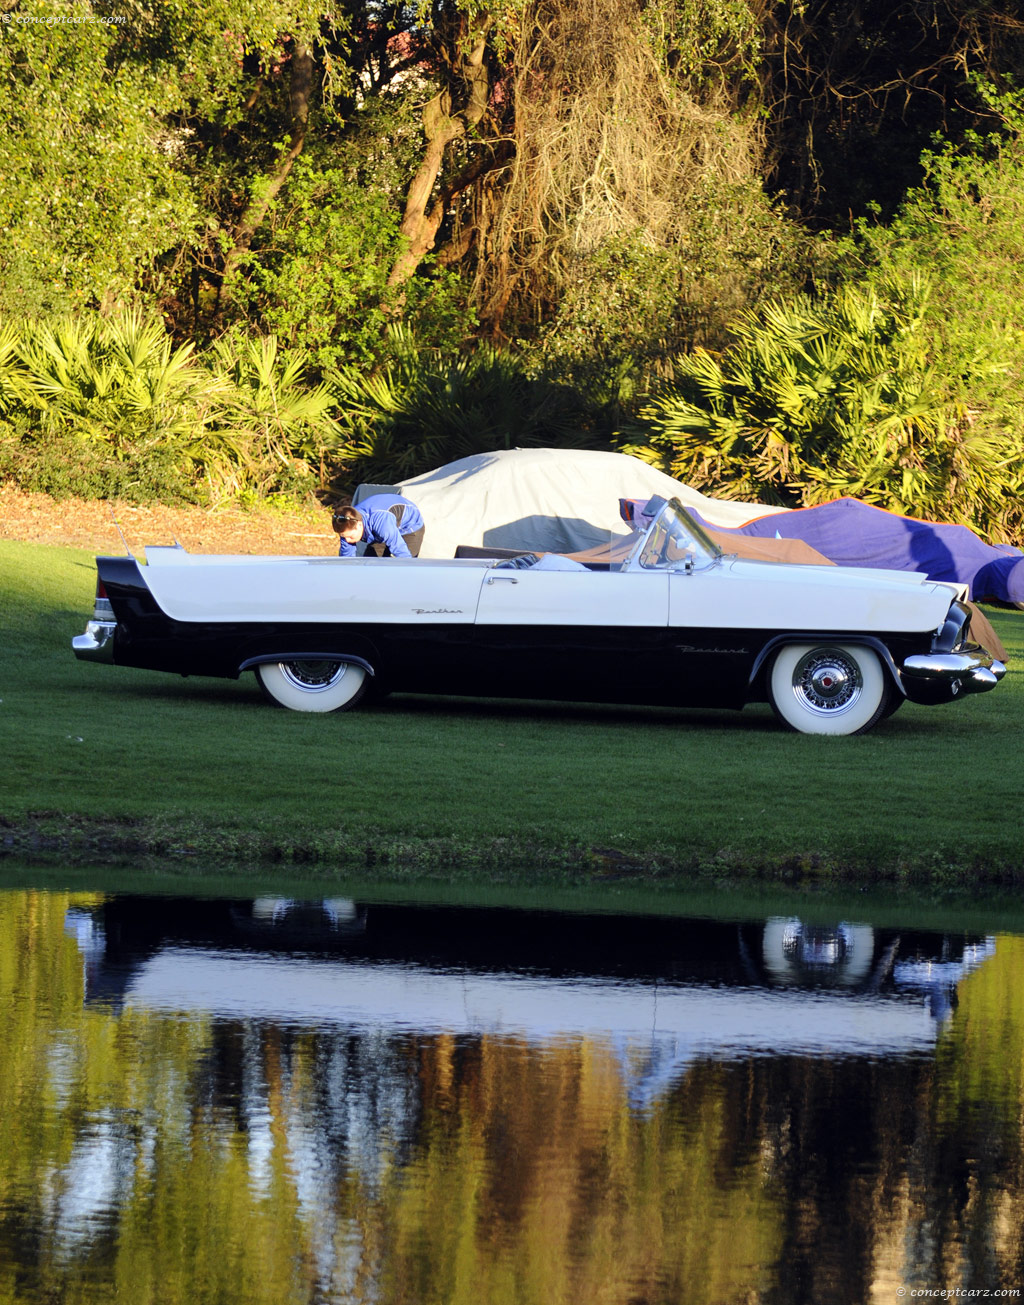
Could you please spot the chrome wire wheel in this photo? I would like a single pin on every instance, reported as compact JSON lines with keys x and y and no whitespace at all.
{"x":828,"y":688}
{"x":321,"y":685}
{"x":827,"y":681}
{"x":313,"y":677}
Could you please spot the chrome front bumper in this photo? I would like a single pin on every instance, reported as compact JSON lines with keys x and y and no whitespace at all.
{"x":97,"y":644}
{"x":940,"y":677}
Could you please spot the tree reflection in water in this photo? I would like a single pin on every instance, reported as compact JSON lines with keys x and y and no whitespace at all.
{"x":156,"y":1150}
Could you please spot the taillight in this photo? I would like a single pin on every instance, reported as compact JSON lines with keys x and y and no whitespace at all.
{"x":102,"y":611}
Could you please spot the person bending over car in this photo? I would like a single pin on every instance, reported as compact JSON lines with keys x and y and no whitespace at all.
{"x":391,"y":526}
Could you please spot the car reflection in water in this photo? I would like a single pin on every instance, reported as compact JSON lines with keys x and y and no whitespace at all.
{"x":664,"y":991}
{"x":367,"y":982}
{"x":849,"y":956}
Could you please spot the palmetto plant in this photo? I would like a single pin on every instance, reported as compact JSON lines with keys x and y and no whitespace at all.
{"x":101,"y":407}
{"x":269,"y":425}
{"x":237,"y":422}
{"x":817,"y":399}
{"x":117,"y":381}
{"x":424,"y":409}
{"x":12,"y":371}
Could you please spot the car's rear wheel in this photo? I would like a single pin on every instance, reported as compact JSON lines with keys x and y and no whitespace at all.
{"x":828,"y":688}
{"x":313,"y":685}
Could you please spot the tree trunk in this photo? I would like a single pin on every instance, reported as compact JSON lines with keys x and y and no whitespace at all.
{"x":300,"y":91}
{"x":442,"y":126}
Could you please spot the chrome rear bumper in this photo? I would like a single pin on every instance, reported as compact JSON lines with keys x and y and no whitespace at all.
{"x":97,"y":644}
{"x":940,"y":677}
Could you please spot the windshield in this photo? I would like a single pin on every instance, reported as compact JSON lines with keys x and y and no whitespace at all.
{"x":674,"y":541}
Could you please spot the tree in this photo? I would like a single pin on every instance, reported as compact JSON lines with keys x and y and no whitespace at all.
{"x":300,"y":86}
{"x":857,"y":89}
{"x":450,"y":116}
{"x":90,"y":195}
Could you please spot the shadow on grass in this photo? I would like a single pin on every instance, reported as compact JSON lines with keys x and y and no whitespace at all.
{"x":500,"y":709}
{"x":755,"y":719}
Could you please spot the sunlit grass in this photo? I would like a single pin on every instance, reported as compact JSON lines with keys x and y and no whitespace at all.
{"x":206,"y":764}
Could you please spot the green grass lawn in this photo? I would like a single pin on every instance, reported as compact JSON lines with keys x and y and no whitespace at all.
{"x":103,"y":758}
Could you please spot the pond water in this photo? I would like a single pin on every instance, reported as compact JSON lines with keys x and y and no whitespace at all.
{"x":273,"y":1100}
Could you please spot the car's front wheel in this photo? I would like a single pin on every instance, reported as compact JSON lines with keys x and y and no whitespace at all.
{"x":313,"y":685}
{"x":828,"y":688}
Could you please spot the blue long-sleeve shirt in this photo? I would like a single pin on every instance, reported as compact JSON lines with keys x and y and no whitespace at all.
{"x":380,"y":527}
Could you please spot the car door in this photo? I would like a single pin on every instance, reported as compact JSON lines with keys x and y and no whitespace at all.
{"x":577,"y":635}
{"x":713,"y":644}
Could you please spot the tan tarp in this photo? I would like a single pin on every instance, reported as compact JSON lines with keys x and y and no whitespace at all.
{"x":983,"y":633}
{"x":770,"y":550}
{"x":764,"y":550}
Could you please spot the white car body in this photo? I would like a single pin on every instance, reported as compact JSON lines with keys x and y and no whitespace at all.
{"x":675,"y":621}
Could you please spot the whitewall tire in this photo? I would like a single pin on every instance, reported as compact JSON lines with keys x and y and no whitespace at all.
{"x":313,"y":685}
{"x":828,"y":688}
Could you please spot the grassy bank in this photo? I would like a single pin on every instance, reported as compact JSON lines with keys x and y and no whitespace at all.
{"x":105,"y":762}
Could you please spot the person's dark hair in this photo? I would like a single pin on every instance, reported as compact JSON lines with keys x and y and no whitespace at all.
{"x":344,"y":518}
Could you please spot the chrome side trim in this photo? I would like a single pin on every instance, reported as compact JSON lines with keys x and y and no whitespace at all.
{"x":97,"y":644}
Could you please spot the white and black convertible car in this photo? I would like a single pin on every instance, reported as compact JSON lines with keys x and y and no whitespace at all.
{"x":668,"y":620}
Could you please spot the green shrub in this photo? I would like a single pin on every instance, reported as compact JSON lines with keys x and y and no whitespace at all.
{"x":629,"y":306}
{"x":268,"y":429}
{"x":965,"y":224}
{"x":117,"y":381}
{"x":817,"y":399}
{"x":318,"y":276}
{"x":66,"y":466}
{"x":422,"y":410}
{"x":100,"y":407}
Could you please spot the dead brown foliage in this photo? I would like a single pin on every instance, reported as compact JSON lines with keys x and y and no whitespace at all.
{"x":82,"y":523}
